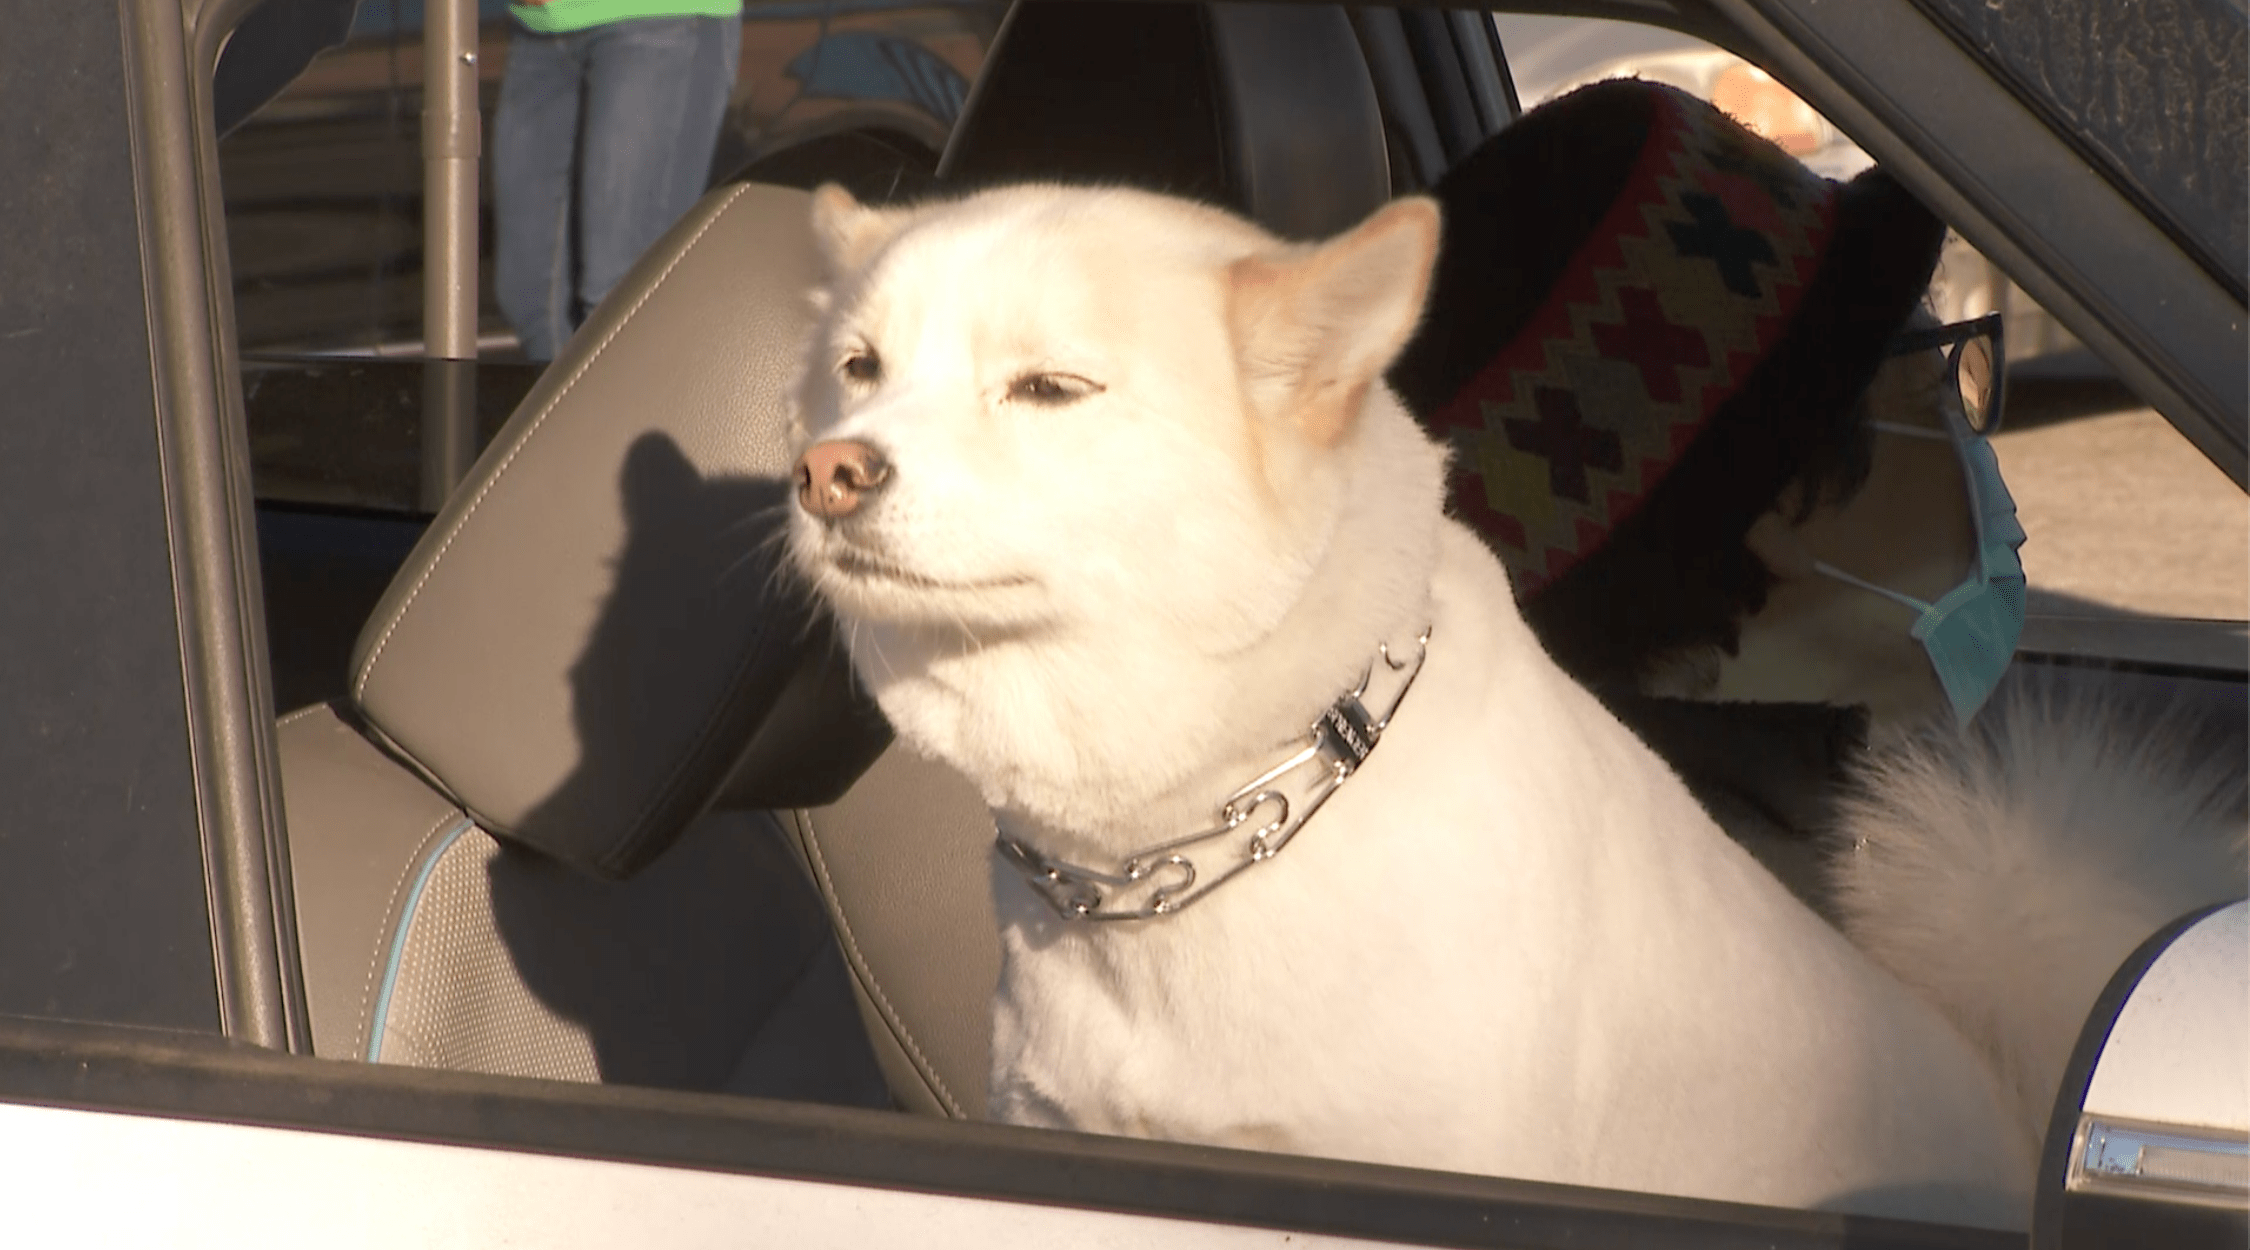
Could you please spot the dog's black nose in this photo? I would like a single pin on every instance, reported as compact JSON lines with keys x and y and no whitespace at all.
{"x":833,"y":477}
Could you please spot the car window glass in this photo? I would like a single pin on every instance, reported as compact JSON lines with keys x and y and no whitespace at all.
{"x":323,"y":187}
{"x":323,"y":199}
{"x":323,"y":183}
{"x":2125,"y":516}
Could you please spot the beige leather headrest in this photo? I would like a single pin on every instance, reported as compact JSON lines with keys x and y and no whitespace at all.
{"x":594,"y":625}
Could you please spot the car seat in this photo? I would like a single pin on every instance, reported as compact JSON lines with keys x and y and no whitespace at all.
{"x":550,"y":829}
{"x":557,"y":685}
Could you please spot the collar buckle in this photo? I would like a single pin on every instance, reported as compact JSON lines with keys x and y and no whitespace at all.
{"x":1345,"y":734}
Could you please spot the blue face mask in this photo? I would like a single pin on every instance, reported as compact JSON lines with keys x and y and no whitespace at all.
{"x":1970,"y":633}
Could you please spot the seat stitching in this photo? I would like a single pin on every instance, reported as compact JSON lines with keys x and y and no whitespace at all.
{"x":300,"y":714}
{"x":374,"y":656}
{"x":867,"y":975}
{"x":375,"y":966}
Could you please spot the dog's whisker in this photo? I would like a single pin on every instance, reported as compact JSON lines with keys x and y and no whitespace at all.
{"x":772,"y":546}
{"x":783,"y":570}
{"x":756,"y":515}
{"x":809,"y":624}
{"x":778,"y":535}
{"x":879,"y":655}
{"x":775,"y":536}
{"x":976,"y":644}
{"x":735,"y":565}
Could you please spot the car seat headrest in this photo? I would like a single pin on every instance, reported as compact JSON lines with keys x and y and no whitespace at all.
{"x":596,"y":622}
{"x":1263,"y":108}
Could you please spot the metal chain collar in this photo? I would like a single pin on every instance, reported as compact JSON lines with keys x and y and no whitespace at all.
{"x":1255,"y":822}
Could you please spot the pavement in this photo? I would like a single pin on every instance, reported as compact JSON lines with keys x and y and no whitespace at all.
{"x":2125,"y":516}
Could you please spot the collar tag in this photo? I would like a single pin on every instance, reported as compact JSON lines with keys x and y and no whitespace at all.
{"x":1346,"y":734}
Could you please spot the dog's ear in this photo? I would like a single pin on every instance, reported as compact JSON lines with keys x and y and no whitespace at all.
{"x":1315,"y":327}
{"x":848,"y":231}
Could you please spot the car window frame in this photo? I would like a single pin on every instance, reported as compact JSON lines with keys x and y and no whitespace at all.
{"x":107,"y":1070}
{"x":171,"y":50}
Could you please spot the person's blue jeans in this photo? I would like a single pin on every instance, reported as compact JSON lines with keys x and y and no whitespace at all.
{"x":602,"y":139}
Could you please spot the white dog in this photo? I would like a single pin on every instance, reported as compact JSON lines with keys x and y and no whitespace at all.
{"x":1113,"y":505}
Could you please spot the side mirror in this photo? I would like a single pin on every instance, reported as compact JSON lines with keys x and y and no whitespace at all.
{"x":2150,"y":1141}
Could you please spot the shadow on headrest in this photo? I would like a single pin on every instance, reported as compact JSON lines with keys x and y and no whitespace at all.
{"x":1262,"y":108}
{"x":595,"y":624}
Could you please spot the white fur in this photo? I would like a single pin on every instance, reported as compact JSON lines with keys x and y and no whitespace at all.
{"x":2007,"y":869}
{"x":1513,"y":943}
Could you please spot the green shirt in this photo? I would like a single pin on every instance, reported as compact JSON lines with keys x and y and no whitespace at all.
{"x":557,"y":16}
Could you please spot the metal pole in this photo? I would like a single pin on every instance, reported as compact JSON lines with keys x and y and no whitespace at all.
{"x":451,"y":127}
{"x":450,"y":149}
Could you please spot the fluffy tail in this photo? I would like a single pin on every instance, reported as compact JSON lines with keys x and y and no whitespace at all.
{"x":2006,"y":870}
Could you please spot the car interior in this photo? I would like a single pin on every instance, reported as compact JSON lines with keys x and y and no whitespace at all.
{"x":528,"y":841}
{"x":595,"y":798}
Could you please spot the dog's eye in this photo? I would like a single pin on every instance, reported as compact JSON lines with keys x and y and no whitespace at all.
{"x":1051,"y":389}
{"x":862,"y":365}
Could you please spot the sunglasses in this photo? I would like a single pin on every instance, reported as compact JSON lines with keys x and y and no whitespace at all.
{"x":1973,"y":363}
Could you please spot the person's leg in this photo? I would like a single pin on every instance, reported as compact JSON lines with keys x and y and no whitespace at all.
{"x":656,"y":95}
{"x":534,"y":146}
